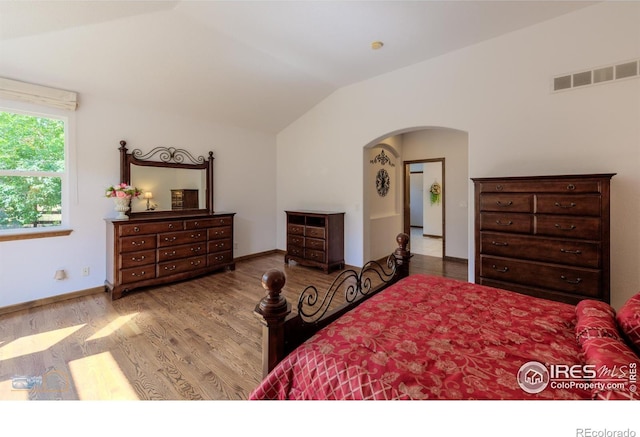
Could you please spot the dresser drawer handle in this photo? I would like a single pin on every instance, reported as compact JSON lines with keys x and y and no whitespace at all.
{"x":137,"y":243}
{"x":170,"y":225}
{"x":569,"y":228}
{"x":173,"y":267}
{"x":504,"y":205}
{"x":573,"y":252}
{"x":569,"y":281}
{"x":198,"y":235}
{"x":499,"y":188}
{"x":138,"y":274}
{"x":571,"y":187}
{"x":196,"y":249}
{"x":173,"y":252}
{"x":170,"y":239}
{"x":502,"y":270}
{"x":219,"y":245}
{"x":195,"y":263}
{"x":136,"y":229}
{"x":559,"y":205}
{"x":498,"y":243}
{"x":138,"y":259}
{"x":509,"y":223}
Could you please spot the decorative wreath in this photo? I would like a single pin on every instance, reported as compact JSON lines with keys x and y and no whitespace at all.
{"x":436,"y":192}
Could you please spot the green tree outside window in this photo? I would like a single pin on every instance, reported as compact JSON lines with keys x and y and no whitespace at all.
{"x":32,"y":162}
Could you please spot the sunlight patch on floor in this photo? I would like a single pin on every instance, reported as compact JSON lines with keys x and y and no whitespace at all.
{"x":112,"y":327}
{"x":35,"y":343}
{"x":98,"y":377}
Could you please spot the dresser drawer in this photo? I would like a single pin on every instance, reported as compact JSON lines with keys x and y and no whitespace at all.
{"x":221,"y":232}
{"x":297,"y":251}
{"x":585,"y":228}
{"x":585,"y":205}
{"x":184,"y":251}
{"x":136,"y":274}
{"x":208,"y":222}
{"x":568,"y":252}
{"x":295,"y":240}
{"x":295,"y":229}
{"x":314,"y":243}
{"x":181,"y":265}
{"x":520,"y":223}
{"x":182,"y":237}
{"x":220,"y":258}
{"x":220,"y":245}
{"x":314,"y":255}
{"x":132,"y":244}
{"x":507,"y":202}
{"x":136,"y":259}
{"x":150,"y":228}
{"x":585,"y":282}
{"x":311,"y":231}
{"x":541,"y":186}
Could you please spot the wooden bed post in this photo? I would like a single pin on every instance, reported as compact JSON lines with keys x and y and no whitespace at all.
{"x":402,"y":256}
{"x":272,"y":310}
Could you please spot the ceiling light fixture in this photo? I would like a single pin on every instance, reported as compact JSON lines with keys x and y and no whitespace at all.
{"x":377,"y":45}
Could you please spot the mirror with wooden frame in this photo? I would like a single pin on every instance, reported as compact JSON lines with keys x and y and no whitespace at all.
{"x":173,"y":181}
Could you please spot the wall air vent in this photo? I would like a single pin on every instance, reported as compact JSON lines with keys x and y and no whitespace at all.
{"x":598,"y":75}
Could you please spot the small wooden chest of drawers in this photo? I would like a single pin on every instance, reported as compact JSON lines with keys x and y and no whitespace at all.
{"x":546,"y":236}
{"x":155,"y":251}
{"x":316,"y":238}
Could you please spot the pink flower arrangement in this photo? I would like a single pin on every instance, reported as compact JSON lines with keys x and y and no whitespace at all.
{"x":123,"y":190}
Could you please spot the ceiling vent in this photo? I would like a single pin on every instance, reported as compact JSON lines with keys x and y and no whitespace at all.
{"x":609,"y":73}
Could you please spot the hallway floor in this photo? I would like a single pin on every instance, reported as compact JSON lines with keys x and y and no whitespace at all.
{"x":425,"y":245}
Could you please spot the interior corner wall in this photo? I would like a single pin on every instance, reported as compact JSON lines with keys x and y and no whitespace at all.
{"x":499,"y":92}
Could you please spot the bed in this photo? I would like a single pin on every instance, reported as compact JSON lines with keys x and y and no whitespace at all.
{"x":401,"y":336}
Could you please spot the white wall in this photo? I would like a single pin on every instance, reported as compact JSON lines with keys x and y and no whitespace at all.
{"x":416,"y":196}
{"x":498,"y":92}
{"x":244,"y":183}
{"x":432,"y":213}
{"x":384,"y":212}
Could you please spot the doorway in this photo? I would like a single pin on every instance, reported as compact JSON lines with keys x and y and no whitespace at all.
{"x":424,"y":206}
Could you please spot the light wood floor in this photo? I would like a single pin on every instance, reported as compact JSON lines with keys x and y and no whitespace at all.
{"x":197,"y":339}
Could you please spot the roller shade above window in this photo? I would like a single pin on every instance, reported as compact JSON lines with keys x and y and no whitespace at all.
{"x":41,"y":95}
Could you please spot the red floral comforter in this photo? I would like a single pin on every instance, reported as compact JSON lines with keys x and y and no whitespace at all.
{"x":429,"y":337}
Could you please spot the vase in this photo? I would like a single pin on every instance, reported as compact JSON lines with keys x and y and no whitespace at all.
{"x":122,"y":206}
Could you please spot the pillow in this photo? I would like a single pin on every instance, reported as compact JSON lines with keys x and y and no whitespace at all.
{"x":595,"y":319}
{"x":616,"y":367}
{"x":629,"y":321}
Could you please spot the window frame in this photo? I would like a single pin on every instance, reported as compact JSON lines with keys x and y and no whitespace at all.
{"x":68,"y":189}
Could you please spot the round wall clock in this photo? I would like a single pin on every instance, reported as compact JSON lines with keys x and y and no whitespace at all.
{"x":382,"y":182}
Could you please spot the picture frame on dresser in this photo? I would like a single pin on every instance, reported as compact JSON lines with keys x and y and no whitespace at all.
{"x":545,"y":236}
{"x":163,"y":246}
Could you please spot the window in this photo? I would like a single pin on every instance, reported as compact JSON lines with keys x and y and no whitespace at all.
{"x":33,"y":171}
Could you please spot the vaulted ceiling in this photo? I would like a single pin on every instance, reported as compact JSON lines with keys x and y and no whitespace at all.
{"x":253,"y":64}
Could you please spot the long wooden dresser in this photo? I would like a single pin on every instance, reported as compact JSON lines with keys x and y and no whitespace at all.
{"x":151,"y":251}
{"x":316,"y":238}
{"x":546,"y":236}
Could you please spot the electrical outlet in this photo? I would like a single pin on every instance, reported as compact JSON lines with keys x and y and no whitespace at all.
{"x":85,"y":271}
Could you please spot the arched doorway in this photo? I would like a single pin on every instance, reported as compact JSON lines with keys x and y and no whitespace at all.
{"x":419,"y":144}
